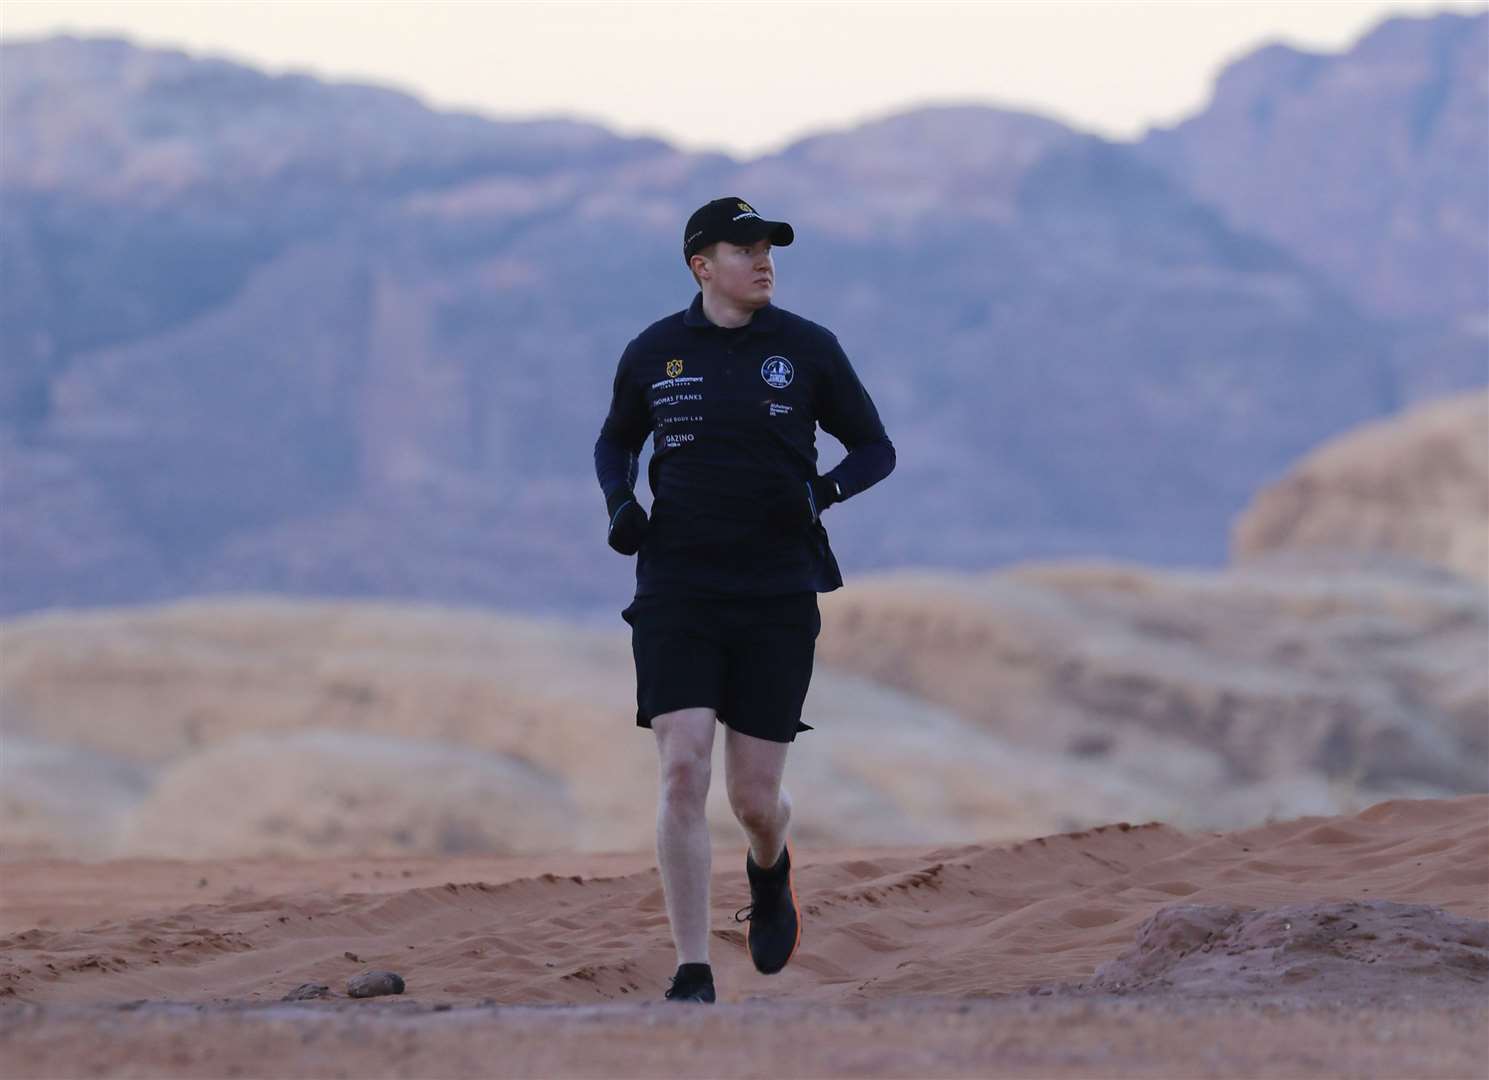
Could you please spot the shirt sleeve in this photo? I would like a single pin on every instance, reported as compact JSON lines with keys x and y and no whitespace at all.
{"x":623,"y":434}
{"x":847,"y":413}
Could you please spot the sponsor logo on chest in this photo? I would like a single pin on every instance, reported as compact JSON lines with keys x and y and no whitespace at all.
{"x":777,"y":372}
{"x":673,"y":369}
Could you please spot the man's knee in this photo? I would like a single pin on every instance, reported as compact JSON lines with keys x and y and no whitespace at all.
{"x":685,"y":743}
{"x":685,"y":778}
{"x":756,"y":805}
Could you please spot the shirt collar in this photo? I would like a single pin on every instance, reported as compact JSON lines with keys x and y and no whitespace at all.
{"x":765,"y":321}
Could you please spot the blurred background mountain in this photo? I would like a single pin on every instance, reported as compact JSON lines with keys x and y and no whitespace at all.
{"x":270,"y":334}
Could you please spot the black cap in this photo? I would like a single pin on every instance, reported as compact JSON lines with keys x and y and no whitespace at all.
{"x":734,"y":220}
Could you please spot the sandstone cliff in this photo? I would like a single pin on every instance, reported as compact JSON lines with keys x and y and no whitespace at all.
{"x":1415,"y":485}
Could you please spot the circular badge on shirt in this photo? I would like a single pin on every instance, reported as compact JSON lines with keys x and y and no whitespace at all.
{"x":777,"y":372}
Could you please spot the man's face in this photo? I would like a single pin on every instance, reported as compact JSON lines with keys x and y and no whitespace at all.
{"x":744,"y":275}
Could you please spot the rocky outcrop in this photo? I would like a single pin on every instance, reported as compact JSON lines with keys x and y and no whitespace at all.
{"x":273,"y":727}
{"x":1351,"y":947}
{"x":1229,"y":689}
{"x":325,"y":792}
{"x":1415,"y":486}
{"x":948,"y":709}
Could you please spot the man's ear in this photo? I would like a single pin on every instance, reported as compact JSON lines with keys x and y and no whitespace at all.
{"x":698,"y":263}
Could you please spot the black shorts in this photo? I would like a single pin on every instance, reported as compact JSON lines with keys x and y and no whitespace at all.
{"x":747,"y":658}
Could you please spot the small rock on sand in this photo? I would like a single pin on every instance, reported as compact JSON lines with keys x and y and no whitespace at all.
{"x":374,"y":984}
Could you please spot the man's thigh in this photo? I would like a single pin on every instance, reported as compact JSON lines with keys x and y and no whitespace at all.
{"x":753,"y":765}
{"x":685,"y":735}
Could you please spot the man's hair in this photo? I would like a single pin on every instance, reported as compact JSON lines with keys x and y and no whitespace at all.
{"x":708,"y":253}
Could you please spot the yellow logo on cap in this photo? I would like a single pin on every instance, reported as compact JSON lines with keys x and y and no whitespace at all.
{"x":746,"y":207}
{"x":674,"y":368}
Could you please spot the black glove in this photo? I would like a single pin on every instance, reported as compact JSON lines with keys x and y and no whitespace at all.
{"x":800,"y":503}
{"x":627,"y":522}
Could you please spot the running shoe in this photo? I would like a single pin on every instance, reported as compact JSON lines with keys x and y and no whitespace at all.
{"x":693,"y":982}
{"x":775,"y":922}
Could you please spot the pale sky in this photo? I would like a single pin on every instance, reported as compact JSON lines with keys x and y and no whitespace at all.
{"x":745,"y":78}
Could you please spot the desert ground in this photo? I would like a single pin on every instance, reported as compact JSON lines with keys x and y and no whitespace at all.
{"x":1343,"y":946}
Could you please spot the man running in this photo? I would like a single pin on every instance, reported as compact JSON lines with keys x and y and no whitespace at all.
{"x":724,"y":622}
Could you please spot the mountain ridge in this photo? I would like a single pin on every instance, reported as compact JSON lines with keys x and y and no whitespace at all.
{"x":389,"y":385}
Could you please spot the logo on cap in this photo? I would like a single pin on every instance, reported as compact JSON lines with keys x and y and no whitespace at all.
{"x":777,"y":372}
{"x":674,"y":368}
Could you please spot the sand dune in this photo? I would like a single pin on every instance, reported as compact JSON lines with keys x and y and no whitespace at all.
{"x":1323,"y":946}
{"x":970,"y":920}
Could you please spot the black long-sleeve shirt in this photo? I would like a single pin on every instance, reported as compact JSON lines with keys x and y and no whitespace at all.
{"x":733,"y":416}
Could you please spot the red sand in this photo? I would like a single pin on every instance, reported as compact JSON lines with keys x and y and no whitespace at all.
{"x":912,"y":964}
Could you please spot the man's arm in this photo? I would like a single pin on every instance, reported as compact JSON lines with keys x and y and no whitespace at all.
{"x":617,"y":458}
{"x":847,"y":413}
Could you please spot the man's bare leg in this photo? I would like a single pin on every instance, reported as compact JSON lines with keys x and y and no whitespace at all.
{"x":685,"y":744}
{"x":752,"y":772}
{"x":753,"y":769}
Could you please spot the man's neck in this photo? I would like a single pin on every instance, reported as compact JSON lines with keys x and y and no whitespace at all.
{"x":727,"y":315}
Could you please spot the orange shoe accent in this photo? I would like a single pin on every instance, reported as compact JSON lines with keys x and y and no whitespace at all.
{"x":791,"y":884}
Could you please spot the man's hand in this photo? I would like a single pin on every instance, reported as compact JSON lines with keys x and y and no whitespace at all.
{"x":627,"y":522}
{"x":800,"y":503}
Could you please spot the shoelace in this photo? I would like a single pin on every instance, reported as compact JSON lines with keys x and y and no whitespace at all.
{"x":675,"y":991}
{"x":768,"y":902}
